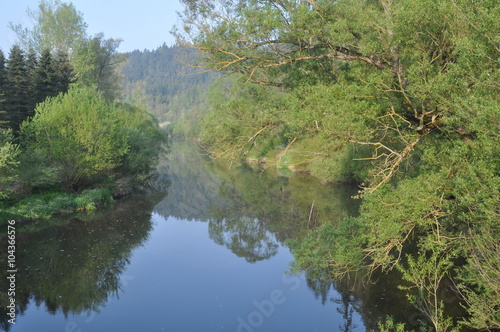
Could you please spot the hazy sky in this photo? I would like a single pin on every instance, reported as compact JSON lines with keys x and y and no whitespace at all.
{"x":141,"y":24}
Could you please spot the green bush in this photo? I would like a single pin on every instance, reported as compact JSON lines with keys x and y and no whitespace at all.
{"x":37,"y":170}
{"x":9,"y":153}
{"x":89,"y":200}
{"x":44,"y":206}
{"x":81,"y":133}
{"x":78,"y":140}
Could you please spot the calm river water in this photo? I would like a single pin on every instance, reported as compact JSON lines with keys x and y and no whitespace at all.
{"x":207,"y":253}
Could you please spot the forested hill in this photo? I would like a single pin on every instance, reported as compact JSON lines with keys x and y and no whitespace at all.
{"x":172,"y":90}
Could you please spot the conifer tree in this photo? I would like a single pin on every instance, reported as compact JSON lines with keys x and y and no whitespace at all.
{"x":16,"y":88}
{"x":31,"y":69}
{"x":45,"y":78}
{"x":3,"y":75}
{"x":63,"y":72}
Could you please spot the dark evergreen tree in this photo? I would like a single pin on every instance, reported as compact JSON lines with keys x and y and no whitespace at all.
{"x":3,"y":76}
{"x":31,"y":69}
{"x":3,"y":73}
{"x":45,"y":78}
{"x":26,"y":81}
{"x":63,"y":72}
{"x":16,"y":88}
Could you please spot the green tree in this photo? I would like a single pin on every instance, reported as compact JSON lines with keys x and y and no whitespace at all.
{"x":31,"y":70}
{"x":9,"y":153}
{"x":45,"y":78}
{"x":63,"y":71}
{"x":16,"y":88}
{"x":409,"y":87}
{"x":3,"y":73}
{"x":81,"y":133}
{"x":78,"y":140}
{"x":95,"y":63}
{"x":58,"y":26}
{"x":3,"y":77}
{"x":287,"y":43}
{"x":144,"y":140}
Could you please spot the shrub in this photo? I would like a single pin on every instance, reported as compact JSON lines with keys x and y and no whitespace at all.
{"x":89,"y":200}
{"x":81,"y":133}
{"x":9,"y":153}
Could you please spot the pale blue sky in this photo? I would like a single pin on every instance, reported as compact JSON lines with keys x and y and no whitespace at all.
{"x":141,"y":24}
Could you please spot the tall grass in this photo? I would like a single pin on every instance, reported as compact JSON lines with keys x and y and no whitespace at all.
{"x":46,"y":205}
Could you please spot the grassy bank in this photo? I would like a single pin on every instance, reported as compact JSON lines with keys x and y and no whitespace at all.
{"x":43,"y":206}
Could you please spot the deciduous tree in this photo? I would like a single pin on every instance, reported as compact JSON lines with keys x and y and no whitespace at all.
{"x":58,"y":26}
{"x":81,"y":133}
{"x":9,"y":153}
{"x":95,"y":63}
{"x":413,"y":83}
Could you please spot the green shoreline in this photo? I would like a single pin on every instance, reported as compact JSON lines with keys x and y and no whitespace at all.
{"x":44,"y":206}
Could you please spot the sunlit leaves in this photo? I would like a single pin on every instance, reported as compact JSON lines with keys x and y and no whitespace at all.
{"x":415,"y":83}
{"x":79,"y":131}
{"x":9,"y":153}
{"x":58,"y":26}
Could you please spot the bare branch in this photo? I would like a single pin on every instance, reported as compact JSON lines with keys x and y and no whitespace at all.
{"x":391,"y":160}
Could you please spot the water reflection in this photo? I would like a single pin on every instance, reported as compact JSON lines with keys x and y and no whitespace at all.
{"x":76,"y":267}
{"x":245,"y":237}
{"x":253,"y":213}
{"x":248,"y":212}
{"x":193,"y":187}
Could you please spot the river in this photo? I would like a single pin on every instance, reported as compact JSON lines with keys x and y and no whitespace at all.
{"x":207,"y":252}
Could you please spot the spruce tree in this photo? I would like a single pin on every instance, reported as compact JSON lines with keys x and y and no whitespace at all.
{"x":63,"y":72}
{"x":45,"y":78}
{"x":3,"y":73}
{"x":31,"y":69}
{"x":16,"y":87}
{"x":3,"y":76}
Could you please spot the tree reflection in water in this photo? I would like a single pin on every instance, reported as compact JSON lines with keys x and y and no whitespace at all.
{"x":250,"y":213}
{"x":76,"y":267}
{"x":245,"y":237}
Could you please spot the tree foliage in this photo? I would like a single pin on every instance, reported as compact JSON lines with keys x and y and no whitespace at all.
{"x":59,"y":29}
{"x":81,"y":133}
{"x":175,"y":93}
{"x":9,"y":153}
{"x":90,"y":141}
{"x":27,"y":80}
{"x":58,"y":26}
{"x":16,"y":88}
{"x":407,"y":91}
{"x":95,"y":63}
{"x":77,"y":138}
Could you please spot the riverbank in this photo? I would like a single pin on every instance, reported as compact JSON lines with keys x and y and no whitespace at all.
{"x":44,"y":206}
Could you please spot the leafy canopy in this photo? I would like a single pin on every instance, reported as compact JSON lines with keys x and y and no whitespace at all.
{"x":81,"y":132}
{"x":406,"y":89}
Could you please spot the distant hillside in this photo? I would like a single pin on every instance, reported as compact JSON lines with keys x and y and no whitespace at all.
{"x":173,"y":91}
